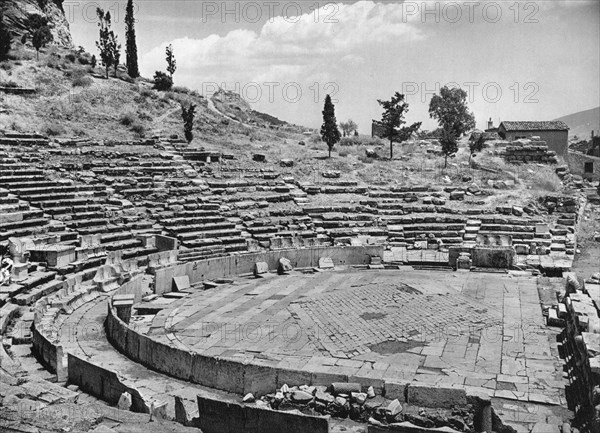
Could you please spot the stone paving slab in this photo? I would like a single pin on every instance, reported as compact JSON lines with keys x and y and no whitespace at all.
{"x":483,"y":332}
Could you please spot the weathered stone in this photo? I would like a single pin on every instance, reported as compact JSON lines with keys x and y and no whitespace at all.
{"x":394,"y":408}
{"x":301,"y":397}
{"x":326,"y":263}
{"x":359,"y":397}
{"x":248,"y":398}
{"x":435,"y":396}
{"x":324,"y":397}
{"x":261,"y":268}
{"x":125,"y":401}
{"x":371,"y":392}
{"x":345,"y":387}
{"x":284,"y":266}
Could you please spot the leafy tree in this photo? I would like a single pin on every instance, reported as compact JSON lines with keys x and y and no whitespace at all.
{"x":476,"y":145}
{"x":348,"y":127}
{"x":40,"y":32}
{"x":162,"y":81}
{"x":392,"y":120}
{"x":41,"y":37}
{"x":131,"y":47}
{"x":171,"y":62}
{"x":188,"y":115}
{"x":329,"y":131}
{"x":5,"y":38}
{"x":107,"y":44}
{"x":451,"y":111}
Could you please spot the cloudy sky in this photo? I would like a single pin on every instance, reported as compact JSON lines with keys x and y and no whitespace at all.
{"x":518,"y":61}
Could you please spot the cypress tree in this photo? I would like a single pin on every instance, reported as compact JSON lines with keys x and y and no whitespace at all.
{"x":131,"y":46}
{"x":329,"y":131}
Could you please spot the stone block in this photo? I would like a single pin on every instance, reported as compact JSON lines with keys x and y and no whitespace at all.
{"x":326,"y":263}
{"x":395,"y":390}
{"x":259,"y":380}
{"x":124,"y":401}
{"x":181,"y":283}
{"x":434,"y":396}
{"x":261,"y":268}
{"x":284,"y":266}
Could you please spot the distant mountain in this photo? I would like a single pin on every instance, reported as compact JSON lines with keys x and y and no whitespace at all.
{"x":583,"y":123}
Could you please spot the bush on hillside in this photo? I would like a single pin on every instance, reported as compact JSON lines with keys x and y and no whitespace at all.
{"x":82,"y":82}
{"x":127,"y":119}
{"x":139,"y":129}
{"x":162,"y":81}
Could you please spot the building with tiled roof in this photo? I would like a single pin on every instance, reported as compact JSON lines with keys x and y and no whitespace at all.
{"x":554,"y":132}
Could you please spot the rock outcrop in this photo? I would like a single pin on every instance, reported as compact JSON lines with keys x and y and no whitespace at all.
{"x":16,"y":13}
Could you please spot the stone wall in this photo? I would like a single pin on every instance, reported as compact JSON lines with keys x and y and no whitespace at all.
{"x":102,"y":383}
{"x":497,"y":257}
{"x":581,"y":349}
{"x":577,"y":163}
{"x":222,"y":267}
{"x":529,"y":151}
{"x":222,"y":417}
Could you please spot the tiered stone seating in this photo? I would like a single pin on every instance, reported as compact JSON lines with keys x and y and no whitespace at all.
{"x":17,"y":217}
{"x":204,"y":232}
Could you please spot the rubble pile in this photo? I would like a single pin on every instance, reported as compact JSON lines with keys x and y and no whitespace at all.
{"x":345,"y":400}
{"x":581,"y":348}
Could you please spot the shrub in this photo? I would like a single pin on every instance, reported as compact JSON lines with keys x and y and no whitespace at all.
{"x":82,"y":82}
{"x":54,"y":130}
{"x":361,"y":141}
{"x":365,"y":159}
{"x":162,"y":81}
{"x":139,"y":129}
{"x":83,"y":60}
{"x":147,"y":93}
{"x":71,"y":57}
{"x":181,"y":89}
{"x":144,"y":116}
{"x":9,"y":83}
{"x":343,"y":154}
{"x":5,"y":66}
{"x":93,"y":62}
{"x":127,"y":119}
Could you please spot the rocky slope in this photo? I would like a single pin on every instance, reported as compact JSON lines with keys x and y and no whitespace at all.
{"x":16,"y":13}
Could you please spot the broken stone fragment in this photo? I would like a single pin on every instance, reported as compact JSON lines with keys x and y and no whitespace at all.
{"x":394,"y":408}
{"x":301,"y":397}
{"x":345,"y":387}
{"x":248,"y":398}
{"x":371,"y":392}
{"x":359,"y":397}
{"x":284,"y":266}
{"x":285,"y":388}
{"x":324,"y":397}
{"x":125,"y":401}
{"x":374,"y":422}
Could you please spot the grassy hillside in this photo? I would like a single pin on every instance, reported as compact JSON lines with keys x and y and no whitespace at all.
{"x":74,"y":100}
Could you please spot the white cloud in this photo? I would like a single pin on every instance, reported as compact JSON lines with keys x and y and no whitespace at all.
{"x":285,"y":49}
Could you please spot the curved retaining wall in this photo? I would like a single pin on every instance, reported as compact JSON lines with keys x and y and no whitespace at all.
{"x":223,"y":267}
{"x":224,"y":374}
